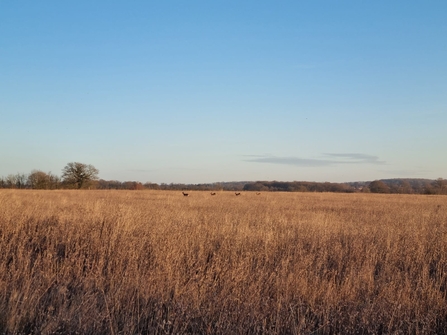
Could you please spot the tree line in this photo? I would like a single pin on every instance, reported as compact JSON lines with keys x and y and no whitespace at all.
{"x":392,"y":186}
{"x":77,"y":175}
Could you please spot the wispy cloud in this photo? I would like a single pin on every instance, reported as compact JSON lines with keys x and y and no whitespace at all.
{"x":328,"y":159}
{"x":357,"y":158}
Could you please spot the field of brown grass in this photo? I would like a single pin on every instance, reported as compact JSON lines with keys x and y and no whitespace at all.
{"x":156,"y":262}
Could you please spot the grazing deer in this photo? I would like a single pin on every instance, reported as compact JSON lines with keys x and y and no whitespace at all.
{"x":213,"y":193}
{"x":185,"y":194}
{"x":237,"y":193}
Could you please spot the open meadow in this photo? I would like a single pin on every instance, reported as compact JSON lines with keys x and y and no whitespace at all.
{"x":157,"y":262}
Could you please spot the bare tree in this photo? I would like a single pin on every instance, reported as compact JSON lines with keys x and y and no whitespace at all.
{"x":41,"y":180}
{"x":378,"y":186}
{"x":21,"y":180}
{"x":11,"y":181}
{"x":440,"y":186}
{"x":16,"y":180}
{"x":79,"y":174}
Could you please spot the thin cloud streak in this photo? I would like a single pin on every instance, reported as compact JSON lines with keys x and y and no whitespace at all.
{"x":337,"y":158}
{"x":357,"y":158}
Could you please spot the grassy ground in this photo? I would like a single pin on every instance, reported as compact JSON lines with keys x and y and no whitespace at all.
{"x":154,"y":262}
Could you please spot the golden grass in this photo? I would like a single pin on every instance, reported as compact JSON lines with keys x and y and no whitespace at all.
{"x":154,"y":262}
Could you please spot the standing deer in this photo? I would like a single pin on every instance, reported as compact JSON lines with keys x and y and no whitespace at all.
{"x":213,"y":193}
{"x":258,"y":193}
{"x":185,"y":194}
{"x":237,"y":193}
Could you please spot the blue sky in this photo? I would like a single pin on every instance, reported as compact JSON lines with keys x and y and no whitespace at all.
{"x":208,"y":91}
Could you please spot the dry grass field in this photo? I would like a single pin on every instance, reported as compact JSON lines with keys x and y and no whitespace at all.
{"x":154,"y":262}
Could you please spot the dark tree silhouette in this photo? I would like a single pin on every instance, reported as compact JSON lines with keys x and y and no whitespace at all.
{"x":79,"y":174}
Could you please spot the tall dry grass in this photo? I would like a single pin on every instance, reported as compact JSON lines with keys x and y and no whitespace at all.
{"x":153,"y":262}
